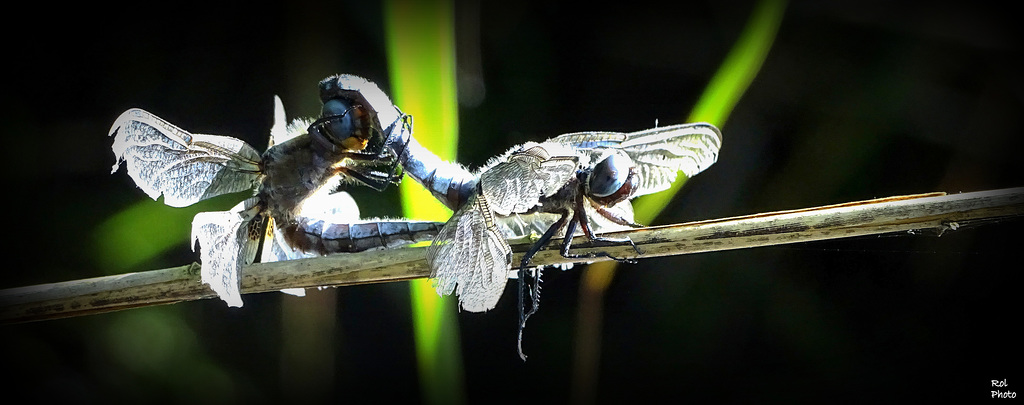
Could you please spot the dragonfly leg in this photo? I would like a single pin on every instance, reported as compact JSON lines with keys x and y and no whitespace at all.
{"x":366,"y":157}
{"x":616,"y":240}
{"x":567,"y":245}
{"x":534,"y":290}
{"x":581,"y":218}
{"x":616,"y":218}
{"x":376,"y":181}
{"x":585,"y":224}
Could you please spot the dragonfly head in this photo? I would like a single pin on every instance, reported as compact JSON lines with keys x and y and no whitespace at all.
{"x":359,"y":122}
{"x":346,"y":127}
{"x":357,"y":108}
{"x":612,"y":180}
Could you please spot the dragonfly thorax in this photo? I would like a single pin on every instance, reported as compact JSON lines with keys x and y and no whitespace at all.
{"x":291,"y":173}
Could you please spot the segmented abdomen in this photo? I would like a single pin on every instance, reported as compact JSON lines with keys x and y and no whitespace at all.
{"x":319,"y":236}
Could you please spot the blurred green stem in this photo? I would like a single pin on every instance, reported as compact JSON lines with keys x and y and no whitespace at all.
{"x":720,"y":96}
{"x":725,"y":89}
{"x":421,"y":59}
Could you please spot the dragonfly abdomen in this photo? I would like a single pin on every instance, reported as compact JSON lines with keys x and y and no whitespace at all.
{"x":321,"y":236}
{"x":449,"y":182}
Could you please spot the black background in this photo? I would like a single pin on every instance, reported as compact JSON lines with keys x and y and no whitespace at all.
{"x":855,"y":101}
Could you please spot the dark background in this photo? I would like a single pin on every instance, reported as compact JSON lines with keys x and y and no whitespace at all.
{"x":854,"y":101}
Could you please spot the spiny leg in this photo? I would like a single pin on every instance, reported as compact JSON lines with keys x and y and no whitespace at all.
{"x":567,"y":245}
{"x":581,"y":218}
{"x":368,"y":167}
{"x":614,"y":217}
{"x":535,"y":288}
{"x":378,"y":182}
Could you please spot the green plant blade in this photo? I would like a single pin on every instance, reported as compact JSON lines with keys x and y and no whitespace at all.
{"x":421,"y":58}
{"x":725,"y":89}
{"x":714,"y":106}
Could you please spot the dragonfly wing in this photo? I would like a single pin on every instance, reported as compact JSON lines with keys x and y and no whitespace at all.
{"x":272,"y":251}
{"x":591,"y":139}
{"x":517,"y":183}
{"x":184,"y":167}
{"x":279,"y":130}
{"x":531,"y":224}
{"x":283,"y":131}
{"x":227,"y":240}
{"x":470,"y":257}
{"x":659,"y":153}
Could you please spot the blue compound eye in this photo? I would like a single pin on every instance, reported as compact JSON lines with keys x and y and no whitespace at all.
{"x":609,"y":175}
{"x":347,"y":127}
{"x":335,"y":106}
{"x":340,"y":124}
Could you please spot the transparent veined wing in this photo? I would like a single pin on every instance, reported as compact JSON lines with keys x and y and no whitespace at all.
{"x":470,"y":257}
{"x":227,"y":240}
{"x":517,"y":184}
{"x":184,"y":167}
{"x":659,"y":153}
{"x":536,"y":223}
{"x":280,"y":132}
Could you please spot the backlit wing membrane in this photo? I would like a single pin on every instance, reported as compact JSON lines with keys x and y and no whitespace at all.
{"x":659,"y":153}
{"x":184,"y":167}
{"x":517,"y":184}
{"x":536,"y":223}
{"x":227,"y":240}
{"x":470,"y":257}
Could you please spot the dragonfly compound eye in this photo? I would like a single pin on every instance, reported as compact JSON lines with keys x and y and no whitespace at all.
{"x":345,"y":126}
{"x":609,"y":175}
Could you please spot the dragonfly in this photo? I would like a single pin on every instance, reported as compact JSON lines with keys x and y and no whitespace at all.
{"x":578,"y":181}
{"x":295,"y":207}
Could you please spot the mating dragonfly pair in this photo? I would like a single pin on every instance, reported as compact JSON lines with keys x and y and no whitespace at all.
{"x":580,"y":180}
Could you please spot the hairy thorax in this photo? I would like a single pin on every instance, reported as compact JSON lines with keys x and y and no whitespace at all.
{"x":293,"y":172}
